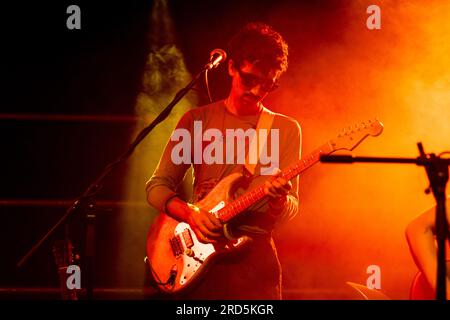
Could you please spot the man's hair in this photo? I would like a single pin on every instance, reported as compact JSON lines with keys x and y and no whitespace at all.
{"x":258,"y":43}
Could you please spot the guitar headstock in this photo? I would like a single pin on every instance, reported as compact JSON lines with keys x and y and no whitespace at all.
{"x":349,"y":138}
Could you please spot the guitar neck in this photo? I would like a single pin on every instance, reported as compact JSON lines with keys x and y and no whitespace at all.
{"x":240,"y":204}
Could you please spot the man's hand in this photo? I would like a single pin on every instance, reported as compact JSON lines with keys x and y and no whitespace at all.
{"x":277,"y":189}
{"x":206,"y":226}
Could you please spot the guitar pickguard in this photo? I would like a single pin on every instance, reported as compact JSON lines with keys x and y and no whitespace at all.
{"x":194,"y":256}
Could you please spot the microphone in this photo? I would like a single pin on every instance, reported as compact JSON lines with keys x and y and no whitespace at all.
{"x":217,"y":56}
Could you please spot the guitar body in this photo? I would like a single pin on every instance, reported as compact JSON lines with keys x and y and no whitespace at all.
{"x":175,"y":255}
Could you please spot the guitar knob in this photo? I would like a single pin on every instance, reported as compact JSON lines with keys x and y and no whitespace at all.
{"x":189,"y":252}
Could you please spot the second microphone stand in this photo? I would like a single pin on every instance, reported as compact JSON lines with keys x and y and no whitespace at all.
{"x":437,"y":172}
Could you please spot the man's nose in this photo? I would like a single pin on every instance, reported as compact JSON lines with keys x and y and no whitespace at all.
{"x":257,"y":91}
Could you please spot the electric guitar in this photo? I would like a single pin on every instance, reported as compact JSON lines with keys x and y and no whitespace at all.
{"x":177,"y":259}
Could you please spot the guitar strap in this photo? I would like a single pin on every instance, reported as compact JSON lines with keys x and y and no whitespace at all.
{"x":265,"y":121}
{"x":258,"y":142}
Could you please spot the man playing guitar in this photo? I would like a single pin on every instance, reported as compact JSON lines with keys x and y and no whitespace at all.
{"x":257,"y":58}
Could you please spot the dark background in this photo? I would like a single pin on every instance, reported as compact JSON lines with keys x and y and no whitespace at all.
{"x":50,"y":70}
{"x":47,"y":69}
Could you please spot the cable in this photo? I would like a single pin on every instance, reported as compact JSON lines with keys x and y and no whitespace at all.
{"x":207,"y":86}
{"x":156,"y":278}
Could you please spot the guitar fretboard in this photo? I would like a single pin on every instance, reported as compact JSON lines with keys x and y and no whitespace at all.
{"x":237,"y":206}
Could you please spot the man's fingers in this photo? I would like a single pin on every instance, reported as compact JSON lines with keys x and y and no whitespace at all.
{"x":200,"y":236}
{"x":210,"y":225}
{"x":211,"y":222}
{"x":215,"y":221}
{"x":277,"y":172}
{"x":277,"y":185}
{"x":283,"y":187}
{"x":282,"y":183}
{"x":203,"y":238}
{"x":270,"y":192}
{"x":288,"y":186}
{"x":207,"y":232}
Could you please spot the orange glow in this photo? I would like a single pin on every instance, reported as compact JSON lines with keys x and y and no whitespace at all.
{"x":354,"y":216}
{"x":341,"y":73}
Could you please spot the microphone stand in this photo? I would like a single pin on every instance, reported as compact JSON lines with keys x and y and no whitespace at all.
{"x":437,"y":172}
{"x":86,"y":202}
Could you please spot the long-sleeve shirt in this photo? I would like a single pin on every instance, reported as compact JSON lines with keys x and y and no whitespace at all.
{"x":174,"y":163}
{"x":254,"y":272}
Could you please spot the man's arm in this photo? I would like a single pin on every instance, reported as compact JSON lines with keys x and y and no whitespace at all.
{"x":284,"y":202}
{"x":420,"y":234}
{"x":161,"y":192}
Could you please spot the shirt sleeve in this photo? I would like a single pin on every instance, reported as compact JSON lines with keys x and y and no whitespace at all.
{"x":291,"y":153}
{"x":167,"y":176}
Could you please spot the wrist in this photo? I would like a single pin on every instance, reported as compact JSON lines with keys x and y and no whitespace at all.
{"x":177,"y":209}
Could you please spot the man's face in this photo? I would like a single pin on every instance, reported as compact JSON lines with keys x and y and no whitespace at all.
{"x":251,"y":84}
